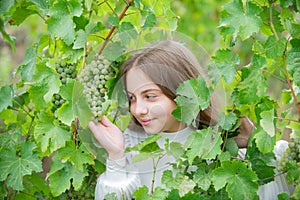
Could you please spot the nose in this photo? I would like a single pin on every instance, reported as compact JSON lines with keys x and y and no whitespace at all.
{"x":139,"y":107}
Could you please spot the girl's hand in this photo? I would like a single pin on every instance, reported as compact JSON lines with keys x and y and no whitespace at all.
{"x":109,"y":136}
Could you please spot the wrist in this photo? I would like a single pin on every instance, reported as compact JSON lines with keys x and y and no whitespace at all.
{"x":116,"y":156}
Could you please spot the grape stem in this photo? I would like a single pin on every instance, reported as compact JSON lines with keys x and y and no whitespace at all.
{"x":112,"y":29}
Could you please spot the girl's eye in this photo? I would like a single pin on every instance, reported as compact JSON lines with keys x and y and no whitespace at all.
{"x":130,"y":97}
{"x":150,"y":96}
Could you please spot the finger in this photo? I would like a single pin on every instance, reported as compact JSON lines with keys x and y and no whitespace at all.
{"x":94,"y":126}
{"x":106,"y":122}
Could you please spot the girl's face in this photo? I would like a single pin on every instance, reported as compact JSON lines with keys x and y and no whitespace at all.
{"x":149,"y":105}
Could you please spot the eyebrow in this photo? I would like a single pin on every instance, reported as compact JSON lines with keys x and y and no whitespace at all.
{"x":146,"y":91}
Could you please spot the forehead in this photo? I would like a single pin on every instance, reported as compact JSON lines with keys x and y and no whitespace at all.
{"x":137,"y":81}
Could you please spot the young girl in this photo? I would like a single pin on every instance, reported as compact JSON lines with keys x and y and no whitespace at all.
{"x":151,"y":77}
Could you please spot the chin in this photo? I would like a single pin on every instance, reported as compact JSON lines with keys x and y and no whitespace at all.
{"x":149,"y":130}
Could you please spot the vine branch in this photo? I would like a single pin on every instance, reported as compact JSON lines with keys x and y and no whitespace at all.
{"x":112,"y":29}
{"x":297,"y":103}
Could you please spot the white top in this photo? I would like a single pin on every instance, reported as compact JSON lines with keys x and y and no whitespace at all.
{"x":123,"y":176}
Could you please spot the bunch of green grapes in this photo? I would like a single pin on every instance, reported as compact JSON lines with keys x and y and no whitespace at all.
{"x":65,"y":70}
{"x":291,"y":153}
{"x":57,"y":101}
{"x":94,"y":78}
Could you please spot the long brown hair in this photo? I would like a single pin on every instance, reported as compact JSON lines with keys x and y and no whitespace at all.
{"x":168,"y":63}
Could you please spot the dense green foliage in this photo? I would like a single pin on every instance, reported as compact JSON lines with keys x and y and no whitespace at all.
{"x":254,"y":48}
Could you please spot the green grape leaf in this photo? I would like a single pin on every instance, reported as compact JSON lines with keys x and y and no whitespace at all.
{"x":296,"y":194}
{"x":264,"y":142}
{"x":10,"y":139}
{"x":62,"y":27}
{"x":45,"y":77}
{"x":175,"y":149}
{"x":146,"y":155}
{"x":60,"y":176}
{"x":92,"y":145}
{"x":23,"y":11}
{"x":11,"y":40}
{"x":267,"y":122}
{"x":81,"y":38}
{"x":225,"y":63}
{"x":241,"y":18}
{"x":232,"y":147}
{"x":240,"y":181}
{"x":283,"y":196}
{"x":76,"y":105}
{"x":143,"y":194}
{"x":227,"y":121}
{"x":294,"y":29}
{"x":295,"y":126}
{"x":46,"y":83}
{"x":180,"y":182}
{"x":75,"y":155}
{"x":275,"y":48}
{"x":127,"y":33}
{"x":13,"y":167}
{"x":252,"y":87}
{"x":193,"y":96}
{"x":60,"y":23}
{"x":203,"y":143}
{"x":6,"y":97}
{"x":147,"y":149}
{"x":293,"y":172}
{"x":277,"y":19}
{"x":34,"y":185}
{"x":28,"y":65}
{"x":150,"y":20}
{"x":293,"y":61}
{"x":286,"y":96}
{"x":5,"y":5}
{"x":48,"y":135}
{"x":143,"y":145}
{"x":258,"y":62}
{"x":113,"y":20}
{"x":261,"y":163}
{"x":202,"y":178}
{"x":113,"y":50}
{"x":82,"y":35}
{"x":42,"y":5}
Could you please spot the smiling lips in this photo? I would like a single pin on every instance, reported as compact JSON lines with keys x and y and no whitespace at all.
{"x":145,"y":122}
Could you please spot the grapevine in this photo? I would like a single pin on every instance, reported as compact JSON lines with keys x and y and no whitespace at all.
{"x":94,"y":78}
{"x":253,"y":44}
